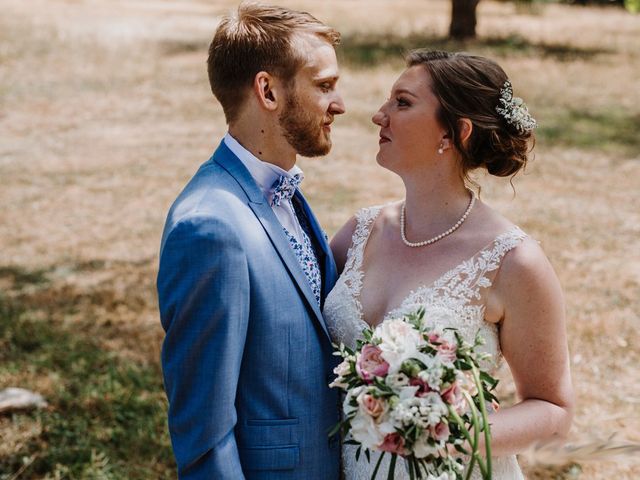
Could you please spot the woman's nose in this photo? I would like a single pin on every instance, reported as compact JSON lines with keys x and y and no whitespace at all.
{"x":380,"y":118}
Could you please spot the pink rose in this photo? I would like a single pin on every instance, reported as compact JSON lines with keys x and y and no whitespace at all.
{"x":447,"y":351}
{"x":373,"y":406}
{"x":440,"y":431}
{"x":453,"y":396}
{"x":434,"y":337}
{"x":423,"y":387}
{"x":371,"y":364}
{"x":393,"y":443}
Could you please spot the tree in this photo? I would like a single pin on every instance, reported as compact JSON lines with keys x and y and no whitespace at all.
{"x":463,"y":19}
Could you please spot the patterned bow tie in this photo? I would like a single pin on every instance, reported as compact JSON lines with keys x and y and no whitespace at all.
{"x":284,"y":188}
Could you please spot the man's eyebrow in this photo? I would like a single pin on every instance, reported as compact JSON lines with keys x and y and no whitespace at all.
{"x":326,"y":78}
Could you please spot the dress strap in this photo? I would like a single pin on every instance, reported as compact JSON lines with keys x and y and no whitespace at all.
{"x":365,"y":218}
{"x":489,"y":259}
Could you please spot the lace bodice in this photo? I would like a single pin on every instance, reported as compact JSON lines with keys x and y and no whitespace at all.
{"x":458,"y":290}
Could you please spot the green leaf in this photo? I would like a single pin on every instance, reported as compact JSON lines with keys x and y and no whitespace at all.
{"x":375,"y":470}
{"x":392,"y":466}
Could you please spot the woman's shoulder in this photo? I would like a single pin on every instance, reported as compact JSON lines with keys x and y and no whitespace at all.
{"x":526,"y":271}
{"x":359,"y":225}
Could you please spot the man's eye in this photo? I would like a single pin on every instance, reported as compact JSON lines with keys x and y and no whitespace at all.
{"x":325,"y":87}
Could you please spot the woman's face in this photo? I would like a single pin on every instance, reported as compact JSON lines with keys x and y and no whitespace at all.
{"x":410,"y":134}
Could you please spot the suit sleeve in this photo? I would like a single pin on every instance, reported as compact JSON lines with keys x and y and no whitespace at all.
{"x":203,"y":292}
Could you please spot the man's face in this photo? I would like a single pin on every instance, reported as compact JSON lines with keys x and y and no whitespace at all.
{"x":313,"y":100}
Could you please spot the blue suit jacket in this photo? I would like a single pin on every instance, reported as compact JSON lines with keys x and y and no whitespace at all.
{"x":247,"y":357}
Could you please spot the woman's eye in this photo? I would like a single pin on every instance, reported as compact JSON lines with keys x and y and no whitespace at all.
{"x":401,"y":102}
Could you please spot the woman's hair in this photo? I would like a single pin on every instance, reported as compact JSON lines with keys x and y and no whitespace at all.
{"x":473,"y":87}
{"x":258,"y":37}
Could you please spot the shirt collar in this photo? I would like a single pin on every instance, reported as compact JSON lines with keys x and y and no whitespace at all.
{"x":265,"y":174}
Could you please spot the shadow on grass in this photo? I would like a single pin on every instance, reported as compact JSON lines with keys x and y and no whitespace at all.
{"x":366,"y":50}
{"x":19,"y":277}
{"x":613,"y":130}
{"x":107,"y":415}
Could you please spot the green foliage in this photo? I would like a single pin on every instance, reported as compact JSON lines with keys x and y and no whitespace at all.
{"x":632,"y":5}
{"x":614,"y":130}
{"x":106,"y":418}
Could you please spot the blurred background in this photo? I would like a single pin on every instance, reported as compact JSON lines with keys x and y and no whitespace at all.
{"x":106,"y":112}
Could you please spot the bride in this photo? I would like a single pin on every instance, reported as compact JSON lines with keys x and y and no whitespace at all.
{"x":442,"y":247}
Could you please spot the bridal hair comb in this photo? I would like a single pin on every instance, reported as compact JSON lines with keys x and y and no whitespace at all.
{"x":514,"y":110}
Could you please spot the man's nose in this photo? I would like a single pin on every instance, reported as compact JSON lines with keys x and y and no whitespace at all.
{"x":337,"y":106}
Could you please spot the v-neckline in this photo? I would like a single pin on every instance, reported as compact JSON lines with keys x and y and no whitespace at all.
{"x":421,"y":287}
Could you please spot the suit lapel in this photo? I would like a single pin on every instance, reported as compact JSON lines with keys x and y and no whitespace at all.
{"x":258,"y":203}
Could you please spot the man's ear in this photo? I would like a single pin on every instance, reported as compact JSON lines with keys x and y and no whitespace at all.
{"x":267,"y":91}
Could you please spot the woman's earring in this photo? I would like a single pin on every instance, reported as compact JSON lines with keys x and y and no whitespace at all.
{"x":441,"y":149}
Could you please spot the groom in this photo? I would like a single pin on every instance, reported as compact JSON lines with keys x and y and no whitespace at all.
{"x":245,"y":267}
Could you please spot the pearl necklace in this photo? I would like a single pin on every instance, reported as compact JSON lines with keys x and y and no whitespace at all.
{"x":438,"y":237}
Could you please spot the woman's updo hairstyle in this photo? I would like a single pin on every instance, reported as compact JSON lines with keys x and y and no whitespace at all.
{"x":470,"y":86}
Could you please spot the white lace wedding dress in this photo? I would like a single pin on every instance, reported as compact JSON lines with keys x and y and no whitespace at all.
{"x":459,"y":289}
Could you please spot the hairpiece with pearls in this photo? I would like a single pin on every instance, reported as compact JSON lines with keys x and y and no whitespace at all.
{"x":514,"y":110}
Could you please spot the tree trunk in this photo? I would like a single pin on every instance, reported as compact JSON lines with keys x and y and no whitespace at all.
{"x":463,"y":19}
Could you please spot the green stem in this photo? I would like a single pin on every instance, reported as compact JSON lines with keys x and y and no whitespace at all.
{"x":476,"y":434}
{"x":392,"y":466}
{"x":375,"y":471}
{"x":460,"y":423}
{"x":412,"y":475}
{"x":485,"y":420}
{"x":467,"y":436}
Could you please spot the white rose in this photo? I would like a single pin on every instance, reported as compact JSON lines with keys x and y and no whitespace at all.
{"x":399,"y":342}
{"x":365,"y":430}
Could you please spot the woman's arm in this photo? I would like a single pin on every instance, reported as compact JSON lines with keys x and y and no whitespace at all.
{"x":341,"y":242}
{"x":534,"y":343}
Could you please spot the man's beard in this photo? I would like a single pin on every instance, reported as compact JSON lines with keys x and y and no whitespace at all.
{"x":302,"y":130}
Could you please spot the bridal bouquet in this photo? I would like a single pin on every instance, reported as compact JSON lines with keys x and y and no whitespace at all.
{"x":419,"y":393}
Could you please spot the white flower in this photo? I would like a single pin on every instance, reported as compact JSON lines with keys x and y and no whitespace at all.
{"x":422,"y":448}
{"x":433,"y":408}
{"x":397,"y":380}
{"x":514,"y":110}
{"x":420,"y":411}
{"x":347,"y":408}
{"x":342,"y":370}
{"x":433,"y":374}
{"x":442,"y":476}
{"x":365,"y":430}
{"x":363,"y":426}
{"x":399,"y":342}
